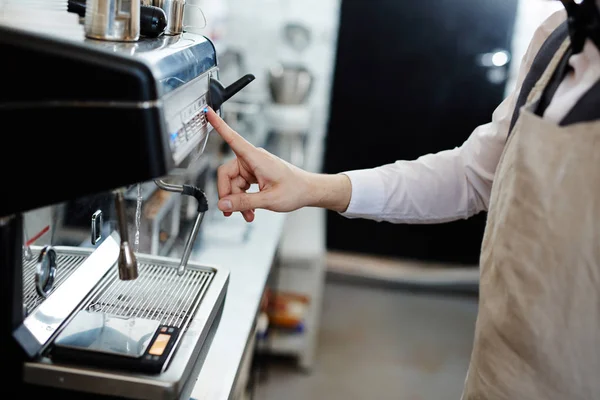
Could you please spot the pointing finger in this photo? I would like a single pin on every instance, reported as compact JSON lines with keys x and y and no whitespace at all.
{"x":238,"y":144}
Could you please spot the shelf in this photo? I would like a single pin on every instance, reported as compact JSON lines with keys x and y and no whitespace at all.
{"x":284,"y":343}
{"x":288,"y":118}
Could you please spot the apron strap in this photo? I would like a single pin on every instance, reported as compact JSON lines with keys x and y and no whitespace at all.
{"x":557,"y":77}
{"x":538,"y":67}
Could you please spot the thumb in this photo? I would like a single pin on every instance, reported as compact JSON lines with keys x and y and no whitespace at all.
{"x":242,"y":202}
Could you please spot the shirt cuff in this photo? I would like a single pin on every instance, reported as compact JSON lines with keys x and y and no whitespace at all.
{"x":368,"y":193}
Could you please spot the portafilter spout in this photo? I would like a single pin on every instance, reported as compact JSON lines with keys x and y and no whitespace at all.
{"x":128,"y":268}
{"x":199,"y":195}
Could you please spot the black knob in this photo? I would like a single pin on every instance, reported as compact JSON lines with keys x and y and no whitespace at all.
{"x":153,"y":21}
{"x":219,"y":94}
{"x":77,"y":7}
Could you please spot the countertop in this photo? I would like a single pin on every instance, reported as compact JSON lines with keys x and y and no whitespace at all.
{"x":247,"y":251}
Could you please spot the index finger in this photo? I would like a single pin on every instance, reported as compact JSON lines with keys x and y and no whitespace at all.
{"x":238,"y":144}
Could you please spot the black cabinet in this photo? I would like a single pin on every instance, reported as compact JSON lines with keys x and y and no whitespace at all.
{"x":409,"y":81}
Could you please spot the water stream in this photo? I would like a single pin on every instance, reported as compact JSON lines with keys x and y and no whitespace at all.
{"x":138,"y":219}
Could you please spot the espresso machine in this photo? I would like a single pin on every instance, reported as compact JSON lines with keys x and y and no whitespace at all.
{"x":87,"y":117}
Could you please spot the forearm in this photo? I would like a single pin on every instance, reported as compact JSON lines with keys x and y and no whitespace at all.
{"x":332,"y":192}
{"x":441,"y":187}
{"x":433,"y":189}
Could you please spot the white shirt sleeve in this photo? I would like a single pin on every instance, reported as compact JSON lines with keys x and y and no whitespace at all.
{"x":449,"y":185}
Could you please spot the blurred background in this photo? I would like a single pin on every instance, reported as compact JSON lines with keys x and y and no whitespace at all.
{"x":374,"y":310}
{"x":353,"y":309}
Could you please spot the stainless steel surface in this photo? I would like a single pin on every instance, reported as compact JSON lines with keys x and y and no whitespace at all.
{"x":185,"y":123}
{"x":191,"y":302}
{"x":97,"y":223}
{"x":67,"y":261}
{"x":27,"y":253}
{"x":173,"y":71}
{"x":91,"y":331}
{"x":290,"y":84}
{"x":43,"y":323}
{"x":45,"y":271}
{"x":159,"y":294}
{"x":189,"y":244}
{"x":128,"y":267}
{"x":169,"y":187}
{"x":174,"y":10}
{"x":181,"y":67}
{"x":185,"y":119}
{"x":173,"y":60}
{"x":113,"y":20}
{"x":194,"y":232}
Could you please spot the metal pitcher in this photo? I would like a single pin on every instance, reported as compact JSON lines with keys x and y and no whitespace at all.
{"x":175,"y":9}
{"x":114,"y":20}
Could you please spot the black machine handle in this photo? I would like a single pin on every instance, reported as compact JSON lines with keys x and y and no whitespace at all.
{"x":219,"y":94}
{"x":153,"y":20}
{"x":77,"y":7}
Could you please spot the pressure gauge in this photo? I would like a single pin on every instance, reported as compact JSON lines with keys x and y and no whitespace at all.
{"x":45,"y":271}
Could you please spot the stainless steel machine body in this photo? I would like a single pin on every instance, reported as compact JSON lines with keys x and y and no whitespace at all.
{"x":190,"y":302}
{"x":134,"y":113}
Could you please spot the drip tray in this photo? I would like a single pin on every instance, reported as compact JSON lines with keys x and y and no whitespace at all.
{"x":187,"y":303}
{"x":68,"y":259}
{"x":158,"y":293}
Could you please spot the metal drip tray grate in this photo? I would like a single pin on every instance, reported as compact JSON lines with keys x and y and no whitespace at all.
{"x":66,"y":264}
{"x":190,"y":302}
{"x":158,"y":293}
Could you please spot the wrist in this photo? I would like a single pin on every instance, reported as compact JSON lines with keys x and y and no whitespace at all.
{"x":332,"y":192}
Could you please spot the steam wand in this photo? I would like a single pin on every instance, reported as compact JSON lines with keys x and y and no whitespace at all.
{"x":199,"y":195}
{"x":128,"y":267}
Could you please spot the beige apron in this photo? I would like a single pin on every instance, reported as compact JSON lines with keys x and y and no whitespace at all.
{"x":538,"y":330}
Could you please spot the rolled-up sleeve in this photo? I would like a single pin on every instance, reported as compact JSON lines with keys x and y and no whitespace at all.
{"x":449,"y":185}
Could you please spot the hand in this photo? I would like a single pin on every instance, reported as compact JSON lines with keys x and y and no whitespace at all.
{"x":282,"y":186}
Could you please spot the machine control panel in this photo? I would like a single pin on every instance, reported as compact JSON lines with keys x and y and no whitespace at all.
{"x":186,"y":123}
{"x":188,"y":129}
